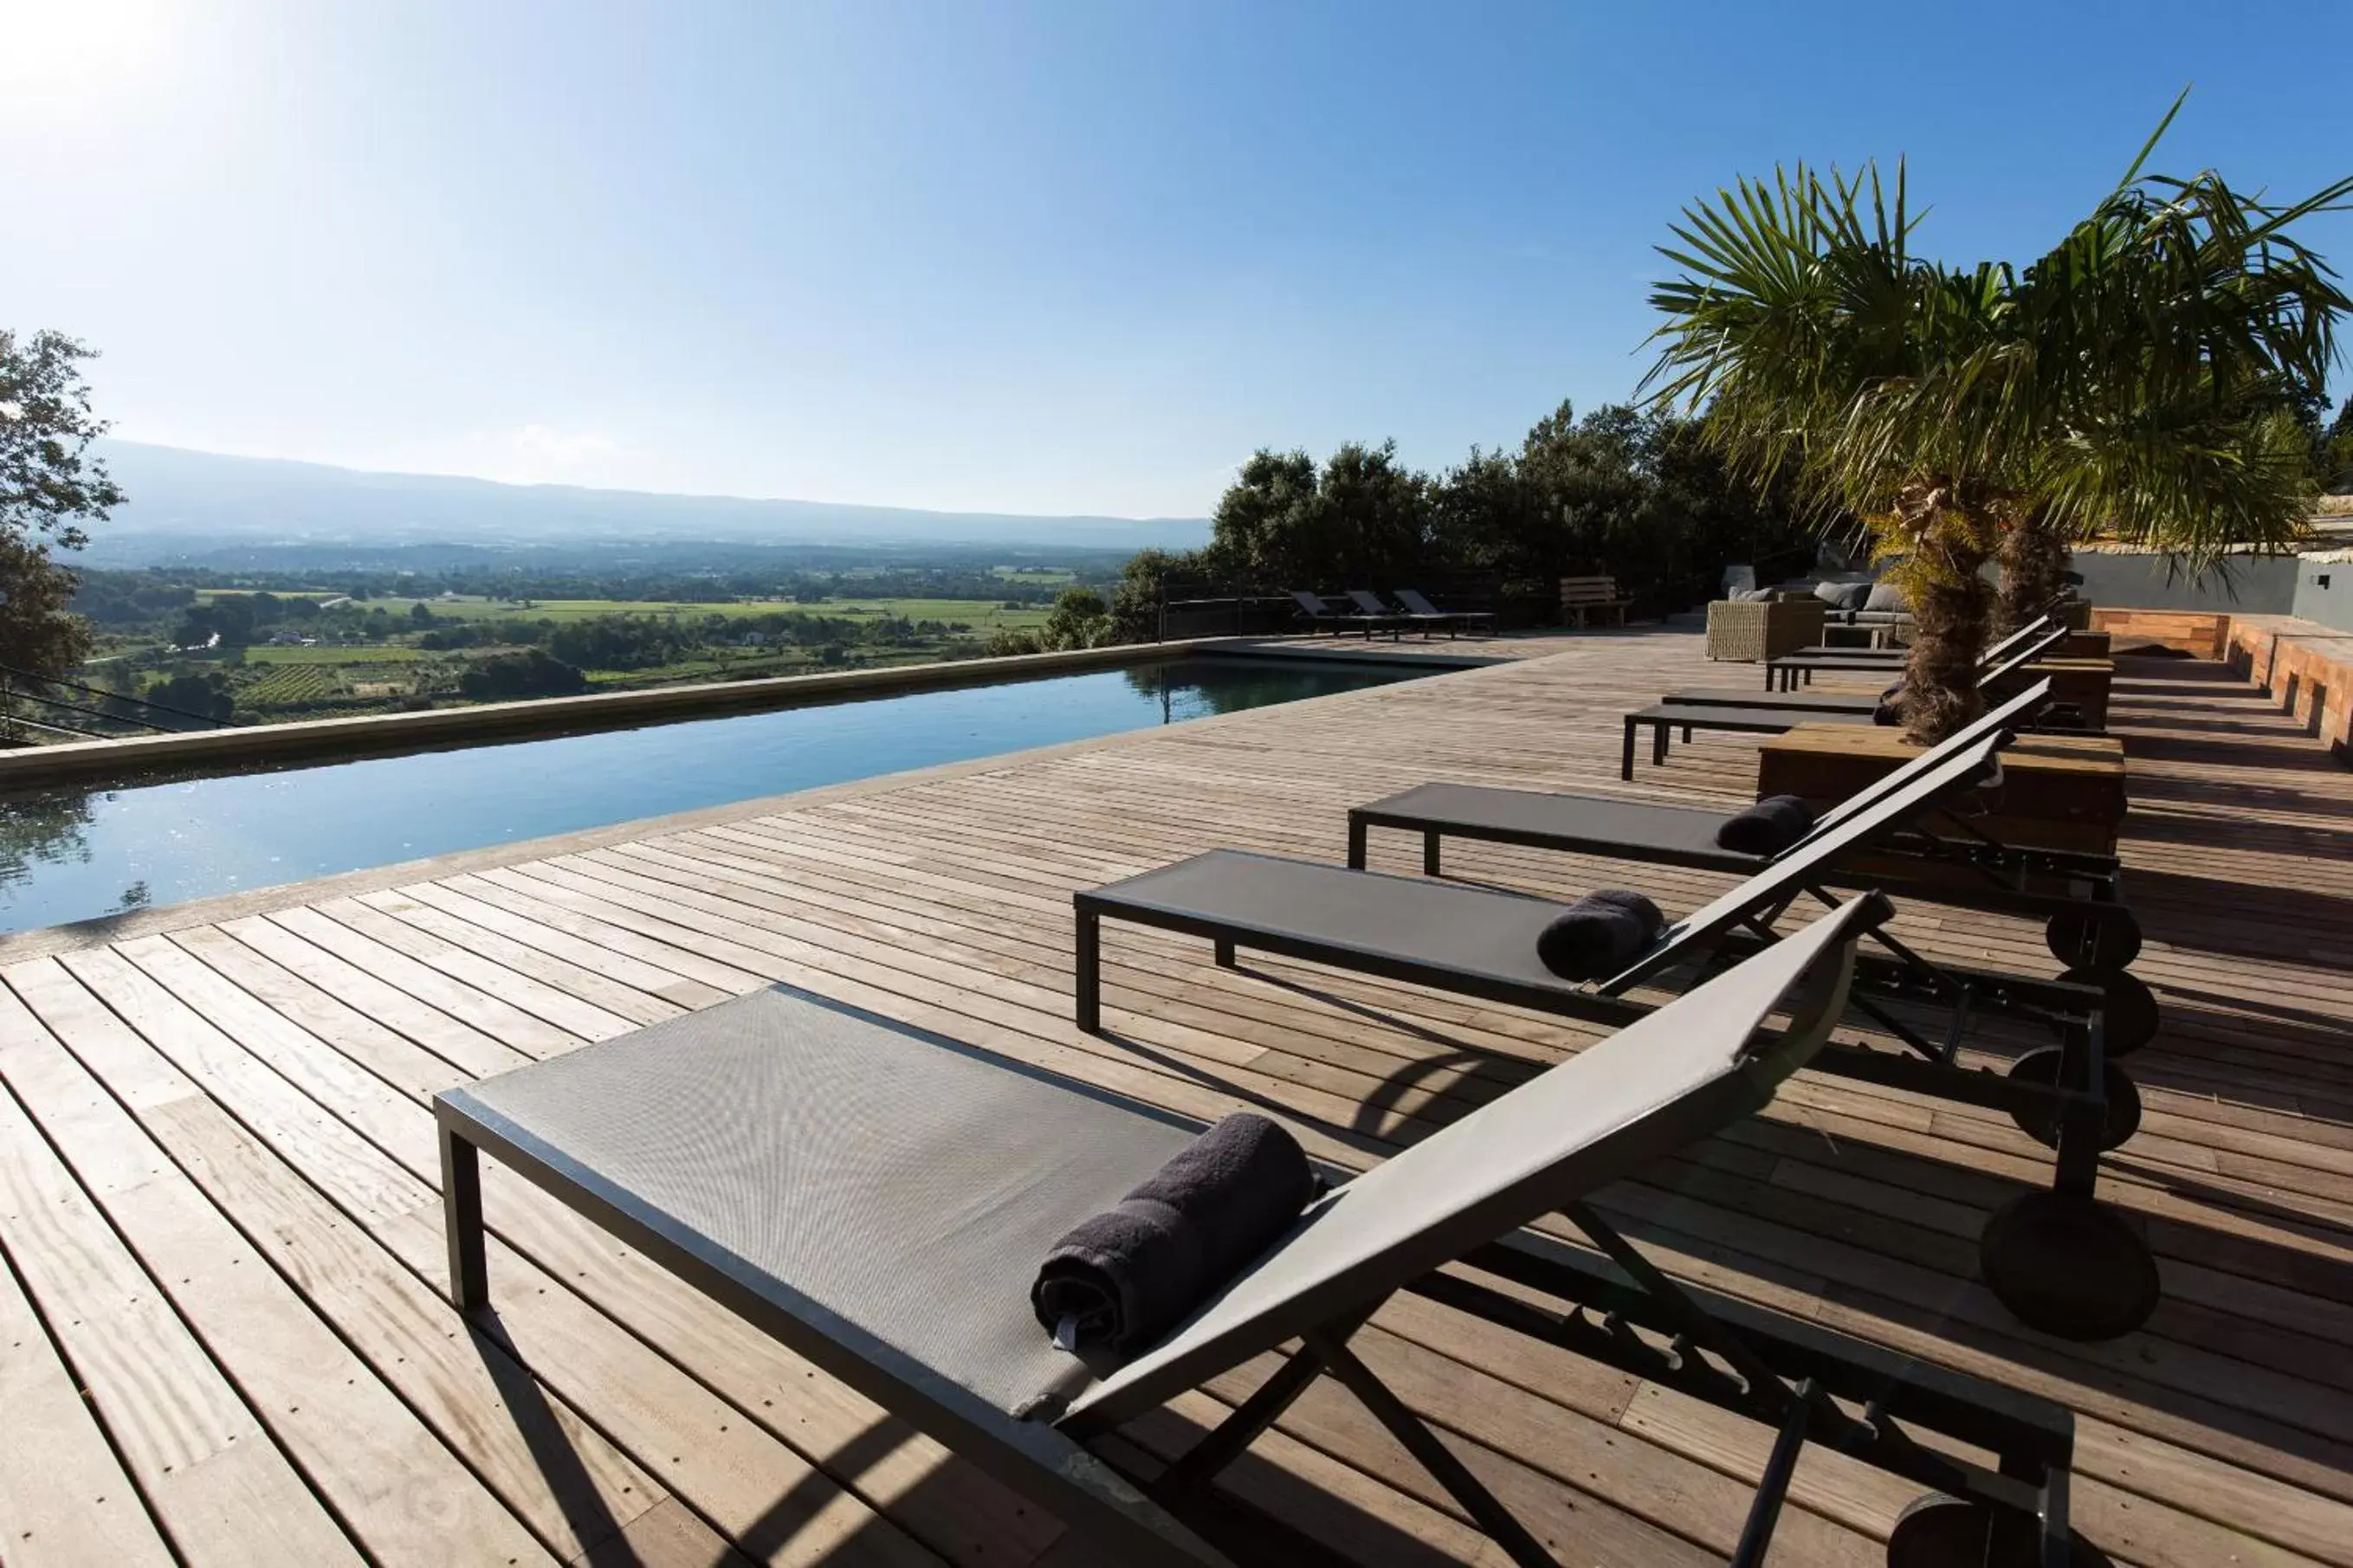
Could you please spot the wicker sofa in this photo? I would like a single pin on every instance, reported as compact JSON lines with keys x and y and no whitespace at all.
{"x":1750,"y":631}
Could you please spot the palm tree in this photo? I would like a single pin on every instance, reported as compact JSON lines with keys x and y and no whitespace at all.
{"x":2153,"y":363}
{"x":2128,"y":381}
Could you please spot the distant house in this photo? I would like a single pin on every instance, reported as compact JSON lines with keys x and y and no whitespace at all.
{"x":753,"y":640}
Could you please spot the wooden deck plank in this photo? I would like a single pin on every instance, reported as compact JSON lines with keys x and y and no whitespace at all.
{"x":942,"y":900}
{"x":64,"y":1500}
{"x":390,"y":1479}
{"x":201,"y":1459}
{"x":669,"y":1419}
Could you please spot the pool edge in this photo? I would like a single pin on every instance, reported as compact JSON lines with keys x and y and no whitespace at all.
{"x":42,"y":941}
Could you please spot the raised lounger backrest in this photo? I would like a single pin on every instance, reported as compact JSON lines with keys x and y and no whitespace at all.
{"x":1367,"y":601}
{"x":1994,"y":721}
{"x":1415,"y":604}
{"x":1690,"y":1068}
{"x":1312,"y":604}
{"x":2025,"y":655}
{"x":2016,"y":639}
{"x":1791,"y":872}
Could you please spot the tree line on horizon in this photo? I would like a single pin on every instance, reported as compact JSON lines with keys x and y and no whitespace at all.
{"x":1636,"y":493}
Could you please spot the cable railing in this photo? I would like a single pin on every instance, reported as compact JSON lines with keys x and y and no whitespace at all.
{"x":62,"y":717}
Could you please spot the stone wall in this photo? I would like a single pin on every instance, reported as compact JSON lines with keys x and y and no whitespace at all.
{"x":2324,"y":589}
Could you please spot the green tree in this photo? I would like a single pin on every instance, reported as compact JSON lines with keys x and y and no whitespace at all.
{"x":205,"y":693}
{"x":2332,"y":452}
{"x":2151,"y":376}
{"x":1363,"y":518}
{"x":1962,"y":411}
{"x":1142,"y":583}
{"x":229,"y":617}
{"x":529,"y":673}
{"x":1080,"y":619}
{"x":50,"y":487}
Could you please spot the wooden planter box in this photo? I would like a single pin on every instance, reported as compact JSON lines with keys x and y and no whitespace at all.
{"x":2057,"y":791}
{"x":2081,"y":683}
{"x":2204,"y":632}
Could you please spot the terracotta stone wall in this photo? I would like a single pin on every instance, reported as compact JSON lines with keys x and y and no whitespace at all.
{"x":2308,"y":668}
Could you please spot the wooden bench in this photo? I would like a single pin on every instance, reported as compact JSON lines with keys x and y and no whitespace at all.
{"x":1581,"y":598}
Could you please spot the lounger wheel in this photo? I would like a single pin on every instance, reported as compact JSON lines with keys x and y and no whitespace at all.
{"x":1941,"y":1531}
{"x":2128,"y":1010}
{"x":2041,"y":1067}
{"x":2064,"y":1264}
{"x":2084,"y":940}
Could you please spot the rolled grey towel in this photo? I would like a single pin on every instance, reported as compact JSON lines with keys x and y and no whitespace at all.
{"x":1770,"y":827}
{"x":1599,"y":934}
{"x":1123,"y":1278}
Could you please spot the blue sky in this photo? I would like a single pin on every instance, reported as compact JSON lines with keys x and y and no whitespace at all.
{"x":1045,"y":257}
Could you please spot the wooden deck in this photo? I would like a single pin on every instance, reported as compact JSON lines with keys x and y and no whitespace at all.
{"x":224,"y":1340}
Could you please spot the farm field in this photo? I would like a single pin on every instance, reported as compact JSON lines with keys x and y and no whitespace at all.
{"x":363,"y":653}
{"x":981,"y":614}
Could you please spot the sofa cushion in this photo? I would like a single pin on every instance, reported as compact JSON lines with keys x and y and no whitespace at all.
{"x":1886,"y":597}
{"x":1843,"y":596}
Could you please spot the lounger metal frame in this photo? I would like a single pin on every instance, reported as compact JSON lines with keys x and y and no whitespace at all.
{"x":2072,"y":1113}
{"x":1765,"y":719}
{"x":1317,"y":614}
{"x":2071,"y":1096}
{"x":1416,"y":602}
{"x":1368,"y":603}
{"x":1941,"y":856}
{"x":2008,"y":655}
{"x":1777,"y":1370}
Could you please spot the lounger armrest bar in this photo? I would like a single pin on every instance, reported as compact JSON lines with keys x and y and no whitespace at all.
{"x":1701,"y":1061}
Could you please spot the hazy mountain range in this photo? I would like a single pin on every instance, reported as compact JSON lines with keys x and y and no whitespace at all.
{"x":183,"y":504}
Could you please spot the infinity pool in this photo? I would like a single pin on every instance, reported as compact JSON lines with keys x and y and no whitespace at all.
{"x":73,"y":854}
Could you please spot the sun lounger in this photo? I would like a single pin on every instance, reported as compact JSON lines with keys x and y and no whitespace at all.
{"x":1775,"y":717}
{"x":1864,"y":703}
{"x":2038,"y":627}
{"x":1482,"y":943}
{"x":877,"y":1199}
{"x":2013,"y":652}
{"x":1319,"y":616}
{"x":2079,"y":896}
{"x":1468,"y":620}
{"x":1369,"y":603}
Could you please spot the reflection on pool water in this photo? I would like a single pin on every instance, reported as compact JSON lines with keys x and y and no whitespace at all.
{"x":72,"y":854}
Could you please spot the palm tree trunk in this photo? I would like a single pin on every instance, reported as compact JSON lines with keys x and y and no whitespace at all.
{"x":2034,"y":570}
{"x":1945,"y":547}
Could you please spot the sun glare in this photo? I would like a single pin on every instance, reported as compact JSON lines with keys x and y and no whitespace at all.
{"x":59,"y":55}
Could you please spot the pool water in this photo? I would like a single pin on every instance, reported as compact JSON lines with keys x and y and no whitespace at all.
{"x":74,"y":854}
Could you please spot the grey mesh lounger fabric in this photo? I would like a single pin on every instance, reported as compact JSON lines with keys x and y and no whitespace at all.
{"x":1478,"y":942}
{"x":1414,"y":601}
{"x":1369,"y":603}
{"x":838,"y":1180}
{"x":2017,"y":649}
{"x":1644,"y":830}
{"x":1464,"y":938}
{"x":2033,"y":630}
{"x":1770,"y":716}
